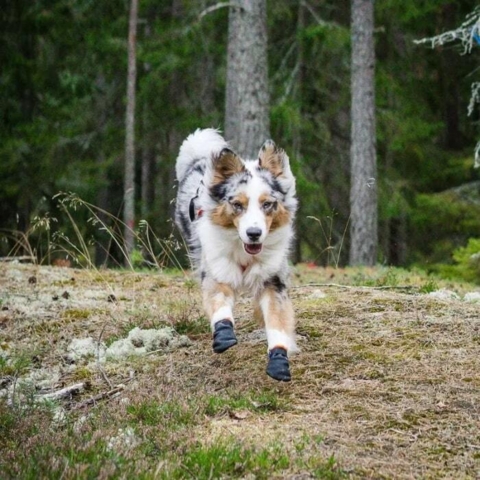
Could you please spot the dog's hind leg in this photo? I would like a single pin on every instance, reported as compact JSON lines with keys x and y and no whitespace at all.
{"x":279,"y":320}
{"x":218,"y":301}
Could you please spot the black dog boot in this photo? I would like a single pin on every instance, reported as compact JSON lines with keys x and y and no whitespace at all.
{"x":223,"y":336}
{"x":278,"y":366}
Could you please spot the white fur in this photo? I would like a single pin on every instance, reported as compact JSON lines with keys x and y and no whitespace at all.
{"x":254,"y":216}
{"x":277,"y":338}
{"x":200,"y":144}
{"x":224,"y":258}
{"x":223,"y":313}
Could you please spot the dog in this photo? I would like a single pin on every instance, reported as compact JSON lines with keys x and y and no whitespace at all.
{"x":237,"y":218}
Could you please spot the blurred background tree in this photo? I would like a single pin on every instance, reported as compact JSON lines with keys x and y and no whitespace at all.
{"x":62,"y":122}
{"x":363,"y":154}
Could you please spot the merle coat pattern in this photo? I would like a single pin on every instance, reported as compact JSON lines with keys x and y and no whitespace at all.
{"x":237,"y":218}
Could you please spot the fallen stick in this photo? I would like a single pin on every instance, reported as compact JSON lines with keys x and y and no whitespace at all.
{"x":66,"y":392}
{"x":101,"y":396}
{"x":25,"y":258}
{"x":360,"y":287}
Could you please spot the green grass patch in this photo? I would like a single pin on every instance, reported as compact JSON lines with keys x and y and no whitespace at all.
{"x":76,"y":314}
{"x":15,"y":366}
{"x":193,"y":326}
{"x":167,"y":414}
{"x":256,"y":402}
{"x":324,"y":469}
{"x":229,"y":459}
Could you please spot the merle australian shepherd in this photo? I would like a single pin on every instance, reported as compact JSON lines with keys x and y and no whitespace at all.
{"x":236,"y":216}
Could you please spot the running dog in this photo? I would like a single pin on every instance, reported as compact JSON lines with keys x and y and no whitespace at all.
{"x":236,"y":216}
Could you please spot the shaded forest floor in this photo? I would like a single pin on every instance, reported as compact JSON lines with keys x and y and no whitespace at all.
{"x":386,"y":384}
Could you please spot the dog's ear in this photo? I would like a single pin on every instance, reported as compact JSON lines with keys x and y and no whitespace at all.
{"x":226,"y":164}
{"x":274,"y":159}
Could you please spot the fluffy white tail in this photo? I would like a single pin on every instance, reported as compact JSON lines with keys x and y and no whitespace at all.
{"x":200,"y":144}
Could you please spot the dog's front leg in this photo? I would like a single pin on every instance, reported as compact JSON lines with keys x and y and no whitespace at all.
{"x":277,"y":311}
{"x":218,"y":301}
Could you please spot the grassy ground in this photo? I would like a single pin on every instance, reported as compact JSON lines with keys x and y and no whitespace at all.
{"x":386,"y":386}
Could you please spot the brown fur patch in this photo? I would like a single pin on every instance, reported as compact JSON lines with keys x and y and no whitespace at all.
{"x":265,"y":197}
{"x":271,"y":158}
{"x":224,"y":215}
{"x":218,"y":296}
{"x":226,"y":164}
{"x":279,"y":315}
{"x":280,"y":217}
{"x":277,"y":217}
{"x":241,"y":198}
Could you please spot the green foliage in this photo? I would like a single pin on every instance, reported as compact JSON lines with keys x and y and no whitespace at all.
{"x":468,"y":259}
{"x":440,"y":223}
{"x":429,"y":286}
{"x":62,"y":121}
{"x":467,"y":263}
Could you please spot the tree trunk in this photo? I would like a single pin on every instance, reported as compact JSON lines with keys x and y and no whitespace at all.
{"x":148,"y":152}
{"x":363,"y":189}
{"x":247,"y":123}
{"x":129,"y":181}
{"x":297,"y":135}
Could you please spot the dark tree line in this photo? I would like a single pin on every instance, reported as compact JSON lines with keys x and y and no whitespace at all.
{"x":62,"y":101}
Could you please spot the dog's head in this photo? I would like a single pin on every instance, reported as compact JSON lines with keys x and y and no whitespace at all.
{"x":255,"y":196}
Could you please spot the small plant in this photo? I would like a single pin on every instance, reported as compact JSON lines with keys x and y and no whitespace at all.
{"x":390,"y":279}
{"x":327,"y":470}
{"x":185,"y":317}
{"x":429,"y":286}
{"x":333,"y":251}
{"x":468,"y":260}
{"x":15,"y":366}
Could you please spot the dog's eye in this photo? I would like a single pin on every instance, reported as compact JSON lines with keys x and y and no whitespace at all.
{"x":237,"y":207}
{"x":267,"y":205}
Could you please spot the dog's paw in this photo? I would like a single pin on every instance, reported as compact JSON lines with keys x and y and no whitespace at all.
{"x":278,"y":366}
{"x":223,"y":336}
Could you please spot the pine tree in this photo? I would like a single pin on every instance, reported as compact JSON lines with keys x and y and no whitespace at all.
{"x":129,"y":180}
{"x":363,"y":190}
{"x":247,"y":123}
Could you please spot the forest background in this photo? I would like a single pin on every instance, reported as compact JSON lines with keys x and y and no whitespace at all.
{"x":62,"y":103}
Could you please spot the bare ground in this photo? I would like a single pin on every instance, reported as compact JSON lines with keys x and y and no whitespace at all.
{"x":387,"y":382}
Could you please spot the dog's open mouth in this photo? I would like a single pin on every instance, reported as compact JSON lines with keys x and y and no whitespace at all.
{"x":252,"y":248}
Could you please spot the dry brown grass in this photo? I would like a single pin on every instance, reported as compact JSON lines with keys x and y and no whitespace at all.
{"x":387,"y":380}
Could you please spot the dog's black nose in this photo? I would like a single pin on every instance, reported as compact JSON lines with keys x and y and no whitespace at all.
{"x":254,"y":233}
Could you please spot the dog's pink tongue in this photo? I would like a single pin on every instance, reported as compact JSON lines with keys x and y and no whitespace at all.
{"x":253,"y":248}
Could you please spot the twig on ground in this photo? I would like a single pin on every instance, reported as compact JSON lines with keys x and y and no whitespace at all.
{"x":25,"y":258}
{"x":362,"y":287}
{"x":101,"y":396}
{"x":66,"y":392}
